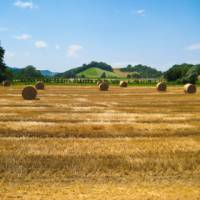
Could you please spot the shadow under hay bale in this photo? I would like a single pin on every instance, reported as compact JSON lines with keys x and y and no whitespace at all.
{"x":161,"y":87}
{"x":104,"y":86}
{"x":39,"y":85}
{"x":29,"y":93}
{"x":6,"y":83}
{"x":190,"y":88}
{"x":123,"y":84}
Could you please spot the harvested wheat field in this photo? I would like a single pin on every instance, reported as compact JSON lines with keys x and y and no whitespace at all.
{"x":83,"y":143}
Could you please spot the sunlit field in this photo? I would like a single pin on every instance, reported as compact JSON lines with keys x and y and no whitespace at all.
{"x":76,"y":142}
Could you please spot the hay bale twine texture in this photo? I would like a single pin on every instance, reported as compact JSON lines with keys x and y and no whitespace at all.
{"x":39,"y":85}
{"x":123,"y":84}
{"x":103,"y":86}
{"x":29,"y":93}
{"x":190,"y":88}
{"x":161,"y":86}
{"x":6,"y":83}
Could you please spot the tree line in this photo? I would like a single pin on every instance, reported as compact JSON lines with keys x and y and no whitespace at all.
{"x":183,"y":73}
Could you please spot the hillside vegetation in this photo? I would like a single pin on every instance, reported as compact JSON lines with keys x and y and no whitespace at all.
{"x":27,"y":72}
{"x":74,"y":72}
{"x":143,"y":71}
{"x":121,"y":73}
{"x":94,"y":70}
{"x":183,"y":73}
{"x":97,"y":73}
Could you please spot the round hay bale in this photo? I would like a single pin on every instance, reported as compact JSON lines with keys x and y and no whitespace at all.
{"x":161,"y":86}
{"x":190,"y":88}
{"x":29,"y":93}
{"x":123,"y":84}
{"x":103,"y":86}
{"x":39,"y":85}
{"x":99,"y":82}
{"x":6,"y":83}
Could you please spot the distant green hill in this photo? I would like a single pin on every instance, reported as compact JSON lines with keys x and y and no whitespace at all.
{"x":143,"y":70}
{"x":97,"y":73}
{"x":48,"y":73}
{"x":75,"y":71}
{"x":96,"y":69}
{"x":30,"y":72}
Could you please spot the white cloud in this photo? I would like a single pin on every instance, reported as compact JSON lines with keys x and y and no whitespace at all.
{"x":25,"y":4}
{"x":57,"y":47}
{"x":23,"y":37}
{"x":73,"y":50}
{"x":194,"y":47}
{"x":40,"y":44}
{"x":141,"y":12}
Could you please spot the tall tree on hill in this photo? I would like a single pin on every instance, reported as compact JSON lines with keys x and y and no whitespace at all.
{"x":2,"y":65}
{"x":103,"y":75}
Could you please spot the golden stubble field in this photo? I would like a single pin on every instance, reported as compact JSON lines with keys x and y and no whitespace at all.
{"x":79,"y":143}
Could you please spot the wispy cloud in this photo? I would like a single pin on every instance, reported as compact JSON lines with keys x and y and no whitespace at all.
{"x":40,"y":44}
{"x":23,"y":37}
{"x":141,"y":12}
{"x":25,"y":4}
{"x":194,"y":47}
{"x":73,"y":50}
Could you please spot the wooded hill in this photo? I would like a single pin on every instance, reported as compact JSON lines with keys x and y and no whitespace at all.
{"x":103,"y":70}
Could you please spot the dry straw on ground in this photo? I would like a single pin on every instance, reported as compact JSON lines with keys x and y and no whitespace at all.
{"x":39,"y":85}
{"x":104,"y":86}
{"x":6,"y":83}
{"x":123,"y":84}
{"x":29,"y":93}
{"x":80,"y":143}
{"x":190,"y":88}
{"x":161,"y":86}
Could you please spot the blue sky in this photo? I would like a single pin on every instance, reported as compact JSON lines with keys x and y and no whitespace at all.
{"x":61,"y":34}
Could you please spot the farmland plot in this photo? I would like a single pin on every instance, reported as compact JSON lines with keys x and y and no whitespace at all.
{"x":82,"y":143}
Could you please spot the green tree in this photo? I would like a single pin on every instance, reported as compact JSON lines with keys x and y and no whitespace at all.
{"x":128,"y":76}
{"x":82,"y":76}
{"x":177,"y":72}
{"x":143,"y":70}
{"x":103,"y":75}
{"x":29,"y":72}
{"x":135,"y":75}
{"x":191,"y":76}
{"x":3,"y":70}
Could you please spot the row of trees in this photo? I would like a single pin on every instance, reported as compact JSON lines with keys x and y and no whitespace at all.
{"x":142,"y":71}
{"x":27,"y":72}
{"x":184,"y":73}
{"x":7,"y":73}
